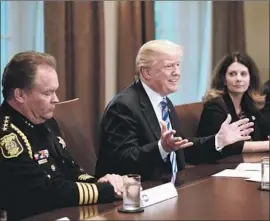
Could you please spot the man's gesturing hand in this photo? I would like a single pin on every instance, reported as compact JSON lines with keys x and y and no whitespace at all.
{"x":171,"y":143}
{"x":234,"y":132}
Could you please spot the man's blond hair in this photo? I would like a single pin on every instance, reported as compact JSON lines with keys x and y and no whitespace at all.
{"x":150,"y":53}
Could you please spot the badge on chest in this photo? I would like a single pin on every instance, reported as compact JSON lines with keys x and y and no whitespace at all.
{"x":42,"y":156}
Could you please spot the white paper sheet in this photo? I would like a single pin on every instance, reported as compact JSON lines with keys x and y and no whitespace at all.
{"x":63,"y":219}
{"x":255,"y":178}
{"x":158,"y":194}
{"x":249,"y":167}
{"x":236,"y":173}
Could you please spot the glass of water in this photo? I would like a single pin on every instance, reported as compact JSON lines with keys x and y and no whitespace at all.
{"x":132,"y":191}
{"x":265,"y":173}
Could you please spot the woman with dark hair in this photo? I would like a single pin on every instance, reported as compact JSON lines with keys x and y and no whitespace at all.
{"x":266,"y":109}
{"x":235,"y":90}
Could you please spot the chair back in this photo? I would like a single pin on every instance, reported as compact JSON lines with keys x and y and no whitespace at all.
{"x":189,"y":116}
{"x":70,"y":118}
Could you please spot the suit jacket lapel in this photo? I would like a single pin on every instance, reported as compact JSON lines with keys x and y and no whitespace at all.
{"x":148,"y":111}
{"x":175,"y":122}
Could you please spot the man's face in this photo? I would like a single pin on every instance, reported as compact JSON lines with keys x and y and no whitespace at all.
{"x":39,"y":103}
{"x":164,"y":75}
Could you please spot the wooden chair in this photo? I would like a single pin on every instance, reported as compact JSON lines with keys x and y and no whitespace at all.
{"x":70,"y":118}
{"x":189,"y":116}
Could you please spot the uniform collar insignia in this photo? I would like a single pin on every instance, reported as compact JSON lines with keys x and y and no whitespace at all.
{"x":62,"y":142}
{"x":5,"y":123}
{"x":29,"y":123}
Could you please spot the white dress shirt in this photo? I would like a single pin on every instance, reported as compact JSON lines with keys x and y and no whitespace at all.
{"x":155,"y":100}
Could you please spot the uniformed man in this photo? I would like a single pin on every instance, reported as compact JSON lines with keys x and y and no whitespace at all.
{"x":37,"y":173}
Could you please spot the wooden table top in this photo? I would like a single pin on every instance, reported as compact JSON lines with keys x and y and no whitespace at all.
{"x":212,"y":199}
{"x":200,"y":196}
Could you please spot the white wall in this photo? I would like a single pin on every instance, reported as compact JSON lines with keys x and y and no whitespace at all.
{"x":257,"y":34}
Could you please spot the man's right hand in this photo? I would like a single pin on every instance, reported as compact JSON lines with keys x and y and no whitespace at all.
{"x":171,"y":143}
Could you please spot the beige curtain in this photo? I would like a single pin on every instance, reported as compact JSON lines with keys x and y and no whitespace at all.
{"x":135,"y":27}
{"x":228,"y":28}
{"x":74,"y":34}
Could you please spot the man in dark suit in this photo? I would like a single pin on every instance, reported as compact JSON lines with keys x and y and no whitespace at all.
{"x":139,"y":131}
{"x":37,"y":173}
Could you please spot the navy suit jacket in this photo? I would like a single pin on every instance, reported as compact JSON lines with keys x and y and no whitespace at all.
{"x":129,"y":135}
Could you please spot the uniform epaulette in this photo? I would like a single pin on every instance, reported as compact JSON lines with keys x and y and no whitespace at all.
{"x":85,"y":177}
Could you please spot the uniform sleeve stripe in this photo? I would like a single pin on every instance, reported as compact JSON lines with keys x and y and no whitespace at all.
{"x":86,"y":193}
{"x":81,"y":195}
{"x":90,"y":190}
{"x":92,"y":194}
{"x":95,"y":193}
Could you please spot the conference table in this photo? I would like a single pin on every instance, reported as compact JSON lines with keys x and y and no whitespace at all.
{"x":201,"y":196}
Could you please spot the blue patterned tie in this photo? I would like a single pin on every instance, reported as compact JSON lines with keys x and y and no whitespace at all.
{"x":165,"y":117}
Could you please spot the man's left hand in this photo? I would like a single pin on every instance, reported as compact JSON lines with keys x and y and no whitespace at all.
{"x":116,"y":181}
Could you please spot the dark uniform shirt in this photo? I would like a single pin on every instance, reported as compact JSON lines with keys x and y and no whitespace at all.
{"x":37,"y":173}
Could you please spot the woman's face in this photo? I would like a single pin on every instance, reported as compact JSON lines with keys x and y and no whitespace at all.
{"x":237,"y":78}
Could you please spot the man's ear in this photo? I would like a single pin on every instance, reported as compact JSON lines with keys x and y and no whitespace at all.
{"x":19,"y":95}
{"x":145,"y":73}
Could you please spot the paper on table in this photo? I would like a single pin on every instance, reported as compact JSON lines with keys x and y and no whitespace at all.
{"x":63,"y":218}
{"x":236,"y":173}
{"x":158,"y":194}
{"x":249,"y":167}
{"x":255,"y":178}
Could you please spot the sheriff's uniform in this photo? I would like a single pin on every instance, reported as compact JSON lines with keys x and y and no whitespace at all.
{"x":37,"y":173}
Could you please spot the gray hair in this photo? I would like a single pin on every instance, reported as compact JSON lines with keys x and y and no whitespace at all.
{"x":149,"y":53}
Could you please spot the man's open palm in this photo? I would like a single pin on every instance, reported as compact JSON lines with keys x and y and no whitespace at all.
{"x":234,"y":132}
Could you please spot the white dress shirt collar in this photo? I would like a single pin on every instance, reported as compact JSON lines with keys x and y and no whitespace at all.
{"x":154,"y":97}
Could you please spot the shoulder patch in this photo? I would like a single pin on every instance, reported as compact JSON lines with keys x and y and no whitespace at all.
{"x":10,"y":146}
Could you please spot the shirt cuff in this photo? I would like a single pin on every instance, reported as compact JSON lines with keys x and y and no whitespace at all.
{"x":163,"y":153}
{"x":217,"y":145}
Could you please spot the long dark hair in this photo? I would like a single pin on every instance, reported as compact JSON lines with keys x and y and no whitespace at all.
{"x":218,"y":86}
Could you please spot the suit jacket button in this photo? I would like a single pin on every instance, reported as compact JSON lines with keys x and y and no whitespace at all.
{"x":49,"y":176}
{"x":53,"y":167}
